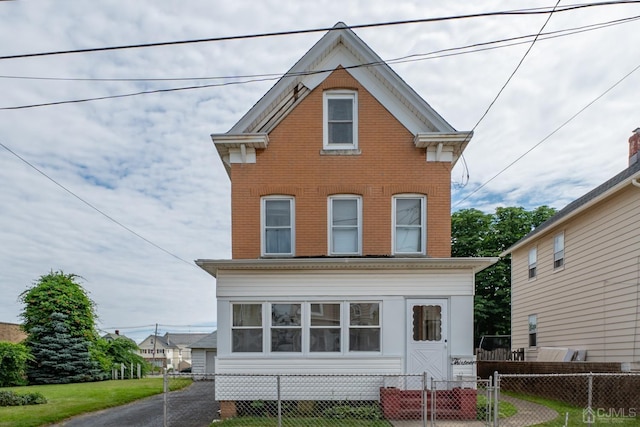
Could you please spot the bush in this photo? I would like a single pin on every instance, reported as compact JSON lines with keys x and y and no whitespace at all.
{"x":10,"y":398}
{"x":13,"y":364}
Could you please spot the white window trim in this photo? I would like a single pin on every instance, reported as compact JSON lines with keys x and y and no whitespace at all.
{"x":423,"y":220}
{"x":336,"y":94}
{"x":534,"y":264}
{"x":532,"y":331}
{"x":556,"y":251}
{"x":330,"y":223}
{"x":345,"y":327}
{"x":263,"y":222}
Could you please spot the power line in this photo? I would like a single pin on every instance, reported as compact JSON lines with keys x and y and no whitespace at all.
{"x":531,"y":11}
{"x":566,"y":122}
{"x":408,"y":58}
{"x":405,"y":59}
{"x":110,"y":218}
{"x":509,"y":80}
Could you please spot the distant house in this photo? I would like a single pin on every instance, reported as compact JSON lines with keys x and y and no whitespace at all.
{"x":203,"y":354}
{"x":575,"y":278}
{"x":116,"y":335}
{"x":12,"y":332}
{"x":170,"y":351}
{"x":341,"y":230}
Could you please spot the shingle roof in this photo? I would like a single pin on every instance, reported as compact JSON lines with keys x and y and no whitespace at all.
{"x":185,"y":339}
{"x":210,"y":341}
{"x":579,"y":203}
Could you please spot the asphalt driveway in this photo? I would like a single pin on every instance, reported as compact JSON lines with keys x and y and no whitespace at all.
{"x":193,"y":406}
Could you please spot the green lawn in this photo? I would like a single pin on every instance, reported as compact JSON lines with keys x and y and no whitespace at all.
{"x":291,"y":421}
{"x":67,"y":400}
{"x":575,"y":417}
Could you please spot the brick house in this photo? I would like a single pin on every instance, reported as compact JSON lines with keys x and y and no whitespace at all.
{"x":341,"y":229}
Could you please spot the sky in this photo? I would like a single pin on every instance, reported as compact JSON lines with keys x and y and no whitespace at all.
{"x":126,"y":192}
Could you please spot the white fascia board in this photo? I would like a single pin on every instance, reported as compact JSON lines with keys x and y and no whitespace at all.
{"x":449,"y":144}
{"x":343,"y":47}
{"x":572,"y":214}
{"x":475,"y":264}
{"x":236,"y":148}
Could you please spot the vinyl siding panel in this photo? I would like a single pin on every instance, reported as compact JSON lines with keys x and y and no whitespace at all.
{"x":354,"y":283}
{"x":592,"y":302}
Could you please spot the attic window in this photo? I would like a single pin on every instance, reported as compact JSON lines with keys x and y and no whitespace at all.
{"x":340,"y":120}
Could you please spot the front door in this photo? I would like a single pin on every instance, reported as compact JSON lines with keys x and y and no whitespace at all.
{"x":427,"y":335}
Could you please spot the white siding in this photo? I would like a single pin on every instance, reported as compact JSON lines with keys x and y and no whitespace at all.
{"x":591,"y":303}
{"x":238,"y":284}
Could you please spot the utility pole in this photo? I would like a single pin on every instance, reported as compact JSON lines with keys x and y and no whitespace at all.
{"x":155,"y":339}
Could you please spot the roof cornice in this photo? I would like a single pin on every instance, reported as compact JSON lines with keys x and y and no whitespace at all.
{"x":475,"y":264}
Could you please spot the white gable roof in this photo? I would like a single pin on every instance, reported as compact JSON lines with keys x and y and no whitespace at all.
{"x":341,"y":47}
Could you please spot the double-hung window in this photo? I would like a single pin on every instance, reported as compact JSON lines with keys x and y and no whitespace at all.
{"x":409,"y":225}
{"x":345,"y":225}
{"x":533,"y":330}
{"x":533,"y":262}
{"x":364,"y":326}
{"x":246,"y":328}
{"x":278,"y":221}
{"x":286,"y":327}
{"x":325,"y":333}
{"x":558,"y":250}
{"x":340,"y":127}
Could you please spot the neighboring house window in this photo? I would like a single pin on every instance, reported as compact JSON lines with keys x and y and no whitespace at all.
{"x":558,"y":250}
{"x":409,"y":229}
{"x":364,"y":326}
{"x":278,"y":226}
{"x":286,"y":327}
{"x":246,"y":328}
{"x":340,"y":120}
{"x":325,"y":327}
{"x":533,"y":262}
{"x":533,"y":330}
{"x":345,"y":225}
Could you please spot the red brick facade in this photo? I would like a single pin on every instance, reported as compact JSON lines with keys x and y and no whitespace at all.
{"x":293,"y":165}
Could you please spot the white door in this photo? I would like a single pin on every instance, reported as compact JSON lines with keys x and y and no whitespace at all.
{"x":427,"y":335}
{"x":210,"y":362}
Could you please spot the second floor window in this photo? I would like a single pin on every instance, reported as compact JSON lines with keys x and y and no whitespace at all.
{"x":345,"y":225}
{"x":278,"y":226}
{"x":409,"y":228}
{"x":558,"y":251}
{"x":533,"y":262}
{"x":340,"y":120}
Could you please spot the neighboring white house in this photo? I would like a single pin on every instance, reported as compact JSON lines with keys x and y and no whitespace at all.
{"x":171,"y":351}
{"x":575,"y":278}
{"x":341,"y":230}
{"x":203,"y":354}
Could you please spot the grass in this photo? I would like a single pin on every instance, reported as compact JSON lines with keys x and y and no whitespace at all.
{"x":576,"y":414}
{"x":67,"y":400}
{"x":505,"y":409}
{"x":309,"y":421}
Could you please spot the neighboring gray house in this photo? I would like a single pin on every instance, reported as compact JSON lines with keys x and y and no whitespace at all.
{"x":171,"y":351}
{"x":203,"y":354}
{"x":575,"y":278}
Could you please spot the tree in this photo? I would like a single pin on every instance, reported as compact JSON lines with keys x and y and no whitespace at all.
{"x":59,"y":357}
{"x":475,"y":233}
{"x":13,"y":364}
{"x":59,"y":319}
{"x":123,"y":351}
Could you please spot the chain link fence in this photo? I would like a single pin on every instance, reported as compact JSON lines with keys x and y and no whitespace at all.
{"x":401,"y":400}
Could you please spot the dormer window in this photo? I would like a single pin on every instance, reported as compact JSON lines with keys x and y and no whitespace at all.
{"x":340,"y":120}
